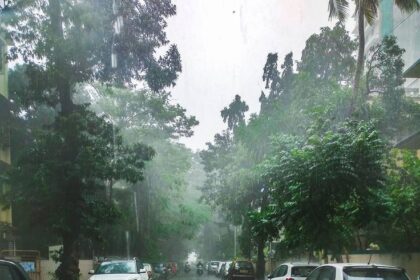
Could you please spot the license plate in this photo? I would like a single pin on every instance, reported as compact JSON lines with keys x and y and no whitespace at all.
{"x":243,"y":271}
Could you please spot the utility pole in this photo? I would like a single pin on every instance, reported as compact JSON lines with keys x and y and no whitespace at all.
{"x":136,"y":211}
{"x":234,"y":240}
{"x":127,"y":241}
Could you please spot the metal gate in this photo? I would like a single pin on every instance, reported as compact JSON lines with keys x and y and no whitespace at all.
{"x":30,"y":260}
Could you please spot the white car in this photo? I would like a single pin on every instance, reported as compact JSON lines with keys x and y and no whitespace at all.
{"x":119,"y":270}
{"x":351,"y":271}
{"x":219,"y":268}
{"x":149,"y":270}
{"x":214,"y":267}
{"x":224,"y":271}
{"x":292,"y":271}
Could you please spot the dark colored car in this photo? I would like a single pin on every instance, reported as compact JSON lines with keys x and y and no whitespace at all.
{"x":159,"y":268}
{"x":241,"y":270}
{"x":12,"y":271}
{"x":160,"y":271}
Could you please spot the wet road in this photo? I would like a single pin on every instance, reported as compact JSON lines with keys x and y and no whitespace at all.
{"x":192,"y":275}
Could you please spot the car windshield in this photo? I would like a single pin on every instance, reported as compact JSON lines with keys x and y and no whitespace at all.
{"x":302,"y":271}
{"x":373,"y":273}
{"x":244,"y":265}
{"x":123,"y":267}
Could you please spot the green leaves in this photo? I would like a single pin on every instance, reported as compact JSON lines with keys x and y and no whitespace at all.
{"x":396,"y":112}
{"x":325,"y":185}
{"x":89,"y":39}
{"x":402,"y":199}
{"x":43,"y":178}
{"x":234,"y":115}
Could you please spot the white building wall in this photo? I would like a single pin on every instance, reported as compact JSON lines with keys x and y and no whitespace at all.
{"x":407,"y":31}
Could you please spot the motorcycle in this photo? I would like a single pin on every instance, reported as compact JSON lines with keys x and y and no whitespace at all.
{"x":187,"y":269}
{"x":200,"y":270}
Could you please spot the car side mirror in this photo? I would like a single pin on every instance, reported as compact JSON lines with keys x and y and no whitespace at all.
{"x":142,"y":270}
{"x":91,"y":272}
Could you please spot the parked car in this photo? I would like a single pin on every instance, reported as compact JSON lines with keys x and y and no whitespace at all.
{"x":159,"y":268}
{"x":119,"y":269}
{"x":10,"y":270}
{"x":349,"y":271}
{"x":292,"y":271}
{"x":160,"y":271}
{"x":149,"y":270}
{"x":241,"y":270}
{"x":224,"y":271}
{"x":213,"y":268}
{"x":219,"y":269}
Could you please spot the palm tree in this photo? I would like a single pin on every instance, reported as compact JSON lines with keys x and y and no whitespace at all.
{"x":365,"y":10}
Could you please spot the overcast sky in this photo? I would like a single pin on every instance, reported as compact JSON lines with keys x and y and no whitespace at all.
{"x":224,"y":45}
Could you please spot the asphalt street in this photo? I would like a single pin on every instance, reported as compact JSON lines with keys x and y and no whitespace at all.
{"x":192,"y":275}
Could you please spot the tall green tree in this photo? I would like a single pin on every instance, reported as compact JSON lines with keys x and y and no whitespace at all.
{"x":168,"y":212}
{"x":67,"y":43}
{"x":397,"y":114}
{"x":323,"y":187}
{"x":234,"y":115}
{"x":365,"y":10}
{"x":336,"y":48}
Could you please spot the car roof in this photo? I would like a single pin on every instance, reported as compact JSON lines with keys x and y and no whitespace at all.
{"x":115,"y":261}
{"x":17,"y":265}
{"x":342,"y":265}
{"x":300,"y":264}
{"x":8,"y":261}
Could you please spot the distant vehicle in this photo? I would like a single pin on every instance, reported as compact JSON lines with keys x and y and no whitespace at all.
{"x":224,"y":271}
{"x":200,"y":269}
{"x":292,"y":271}
{"x":174,"y":267}
{"x":219,"y":268}
{"x":119,"y":269}
{"x":213,"y":267}
{"x":149,"y":270}
{"x":159,"y":268}
{"x":187,"y":267}
{"x":241,"y":270}
{"x":160,"y":271}
{"x":12,"y":271}
{"x":349,"y":271}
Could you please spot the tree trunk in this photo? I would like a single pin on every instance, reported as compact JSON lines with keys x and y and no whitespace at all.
{"x":360,"y":57}
{"x":69,"y":266}
{"x":140,"y":190}
{"x":260,"y":259}
{"x":261,"y":242}
{"x":246,"y":239}
{"x":325,"y":257}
